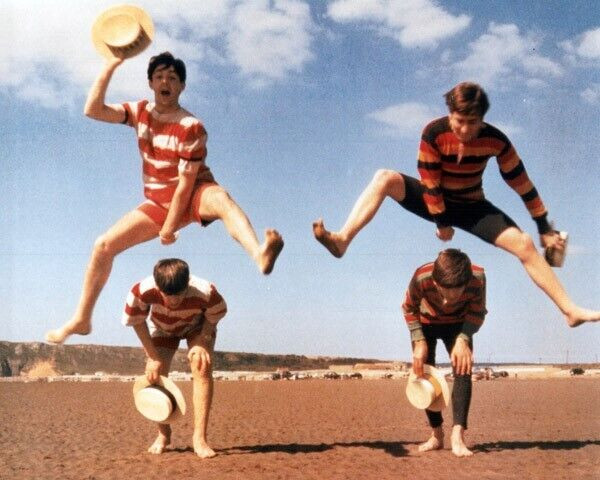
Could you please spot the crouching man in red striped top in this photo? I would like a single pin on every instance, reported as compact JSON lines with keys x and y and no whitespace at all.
{"x":179,"y":306}
{"x":446,"y":300}
{"x":178,"y":186}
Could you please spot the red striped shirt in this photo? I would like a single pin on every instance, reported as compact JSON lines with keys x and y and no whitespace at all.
{"x":145,"y":301}
{"x":169,"y":144}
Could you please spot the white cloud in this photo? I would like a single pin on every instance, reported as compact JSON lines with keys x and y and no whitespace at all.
{"x":404,"y":119}
{"x":413,"y":23}
{"x":269,"y":42}
{"x":589,"y":46}
{"x":47,"y":55}
{"x":503,"y":54}
{"x":584,"y":47}
{"x":592,"y":94}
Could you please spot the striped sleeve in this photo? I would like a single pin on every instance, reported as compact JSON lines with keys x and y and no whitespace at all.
{"x":192,"y":145}
{"x":430,"y":170}
{"x":132,"y":110}
{"x":514,"y":174}
{"x":410,"y":308}
{"x":217,"y":308}
{"x":476,"y":311}
{"x":136,"y":310}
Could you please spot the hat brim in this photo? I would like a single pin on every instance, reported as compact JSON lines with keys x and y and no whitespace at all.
{"x":138,"y":13}
{"x":142,"y":382}
{"x":443,"y":400}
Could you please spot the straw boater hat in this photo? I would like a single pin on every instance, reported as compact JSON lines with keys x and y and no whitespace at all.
{"x":122,"y":31}
{"x":429,"y":392}
{"x":162,"y":403}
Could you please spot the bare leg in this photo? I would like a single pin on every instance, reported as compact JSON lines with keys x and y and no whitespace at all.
{"x":435,"y":442}
{"x":216,"y":203}
{"x":132,"y":229}
{"x":202,"y":394}
{"x":163,"y":438}
{"x":521,"y":245}
{"x":458,"y":442}
{"x":385,"y":183}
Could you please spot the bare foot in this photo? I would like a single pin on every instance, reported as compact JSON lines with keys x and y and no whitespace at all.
{"x":58,"y":336}
{"x":202,"y":449}
{"x":160,"y":444}
{"x":458,"y":442}
{"x":329,"y":240}
{"x":435,"y":442}
{"x":270,"y":250}
{"x":582,"y":315}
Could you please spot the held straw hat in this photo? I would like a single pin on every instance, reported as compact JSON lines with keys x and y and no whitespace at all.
{"x":122,"y":31}
{"x":429,"y":392}
{"x":162,"y":403}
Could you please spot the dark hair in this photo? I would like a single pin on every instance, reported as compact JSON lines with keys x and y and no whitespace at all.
{"x":452,"y":268}
{"x":171,"y":275}
{"x":167,"y":60}
{"x":467,"y":98}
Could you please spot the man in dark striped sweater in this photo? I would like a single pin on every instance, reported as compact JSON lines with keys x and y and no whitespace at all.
{"x":453,"y":154}
{"x":446,"y":300}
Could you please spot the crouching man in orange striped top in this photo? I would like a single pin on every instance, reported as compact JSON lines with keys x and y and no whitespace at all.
{"x":446,"y":300}
{"x":179,"y":305}
{"x":178,"y":186}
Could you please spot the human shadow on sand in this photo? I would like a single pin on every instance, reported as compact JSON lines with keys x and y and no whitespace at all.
{"x":542,"y":445}
{"x":395,"y":449}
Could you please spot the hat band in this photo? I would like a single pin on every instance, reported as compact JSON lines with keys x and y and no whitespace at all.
{"x":142,"y":39}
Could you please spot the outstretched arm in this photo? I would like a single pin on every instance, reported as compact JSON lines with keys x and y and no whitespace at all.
{"x":95,"y":106}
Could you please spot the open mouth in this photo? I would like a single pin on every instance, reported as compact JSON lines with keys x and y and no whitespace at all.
{"x":165,"y":93}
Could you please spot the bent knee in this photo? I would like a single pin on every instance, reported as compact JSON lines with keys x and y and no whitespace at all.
{"x":199,"y":364}
{"x":103,"y":247}
{"x":524,"y":247}
{"x":386,"y":179}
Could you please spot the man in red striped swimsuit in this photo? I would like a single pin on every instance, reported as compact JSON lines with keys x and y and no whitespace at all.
{"x":178,"y":305}
{"x":446,"y":300}
{"x":453,"y":154}
{"x":178,"y":186}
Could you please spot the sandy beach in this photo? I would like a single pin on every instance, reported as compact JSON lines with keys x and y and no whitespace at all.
{"x":313,"y":429}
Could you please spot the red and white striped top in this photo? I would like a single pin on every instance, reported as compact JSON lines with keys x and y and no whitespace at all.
{"x":169,"y":143}
{"x":201,"y":298}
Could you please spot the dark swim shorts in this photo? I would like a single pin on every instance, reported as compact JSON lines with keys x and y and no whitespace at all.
{"x":480,"y":217}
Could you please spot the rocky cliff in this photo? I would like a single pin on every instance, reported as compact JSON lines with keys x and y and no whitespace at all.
{"x":20,"y":358}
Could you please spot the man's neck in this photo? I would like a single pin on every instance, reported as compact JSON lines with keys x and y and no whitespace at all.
{"x":166,"y":108}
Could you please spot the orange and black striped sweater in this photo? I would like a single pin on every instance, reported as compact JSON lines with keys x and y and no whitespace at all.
{"x":424,"y":305}
{"x":448,"y":175}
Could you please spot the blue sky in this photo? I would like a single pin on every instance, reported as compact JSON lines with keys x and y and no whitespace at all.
{"x":303,"y":102}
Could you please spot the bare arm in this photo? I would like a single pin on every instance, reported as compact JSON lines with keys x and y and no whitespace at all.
{"x":94,"y":106}
{"x":154,"y":364}
{"x":180,"y":201}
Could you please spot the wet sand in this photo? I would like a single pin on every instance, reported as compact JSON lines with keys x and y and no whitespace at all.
{"x":312,"y":429}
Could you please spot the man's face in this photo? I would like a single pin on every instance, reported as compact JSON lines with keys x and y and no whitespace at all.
{"x":465,"y":127}
{"x":166,"y":86}
{"x":450,"y":295}
{"x":173,"y":301}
